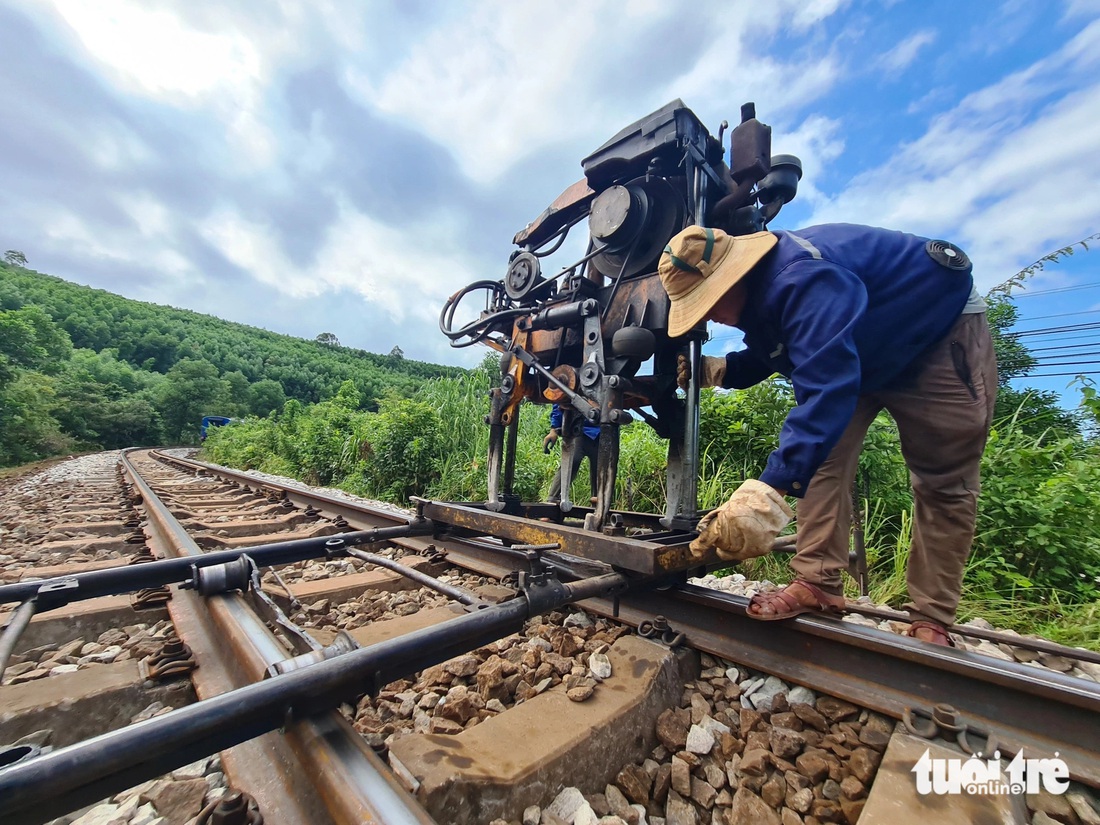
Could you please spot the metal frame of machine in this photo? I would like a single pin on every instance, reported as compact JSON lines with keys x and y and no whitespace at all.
{"x":580,"y":337}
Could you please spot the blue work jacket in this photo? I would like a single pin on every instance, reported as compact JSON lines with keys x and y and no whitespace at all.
{"x":590,"y":430}
{"x":841,"y":310}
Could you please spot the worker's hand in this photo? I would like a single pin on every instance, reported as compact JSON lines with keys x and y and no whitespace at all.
{"x":550,"y":440}
{"x":683,"y":371}
{"x":745,"y":526}
{"x":713,"y":369}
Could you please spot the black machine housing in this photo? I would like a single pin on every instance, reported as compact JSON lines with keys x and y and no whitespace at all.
{"x":580,"y":337}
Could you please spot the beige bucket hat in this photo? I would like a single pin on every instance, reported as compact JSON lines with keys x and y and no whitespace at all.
{"x":699,"y":266}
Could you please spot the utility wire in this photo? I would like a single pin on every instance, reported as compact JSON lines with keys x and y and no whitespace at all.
{"x":1051,"y":375}
{"x":1063,"y":314}
{"x":1056,"y":289}
{"x":1064,"y":363}
{"x":1053,"y":330}
{"x":1066,"y":346}
{"x":1042,"y":339}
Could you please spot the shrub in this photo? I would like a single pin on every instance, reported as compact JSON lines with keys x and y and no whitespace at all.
{"x":401,"y":448}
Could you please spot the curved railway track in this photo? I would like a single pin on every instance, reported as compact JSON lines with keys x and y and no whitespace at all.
{"x":335,"y":599}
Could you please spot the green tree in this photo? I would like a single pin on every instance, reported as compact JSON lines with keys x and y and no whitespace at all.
{"x":28,"y":431}
{"x":236,"y":394}
{"x":10,"y":296}
{"x":29,"y":338}
{"x":265,"y":397}
{"x":15,"y":258}
{"x":193,"y":389}
{"x":1033,"y":410}
{"x":1013,"y":358}
{"x":155,"y":351}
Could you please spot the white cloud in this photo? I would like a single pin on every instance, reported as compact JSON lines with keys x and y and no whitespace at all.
{"x":508,"y":78}
{"x":1082,"y":8}
{"x":1010,"y":173}
{"x":151,"y":216}
{"x":115,"y":147}
{"x":154,"y":52}
{"x":815,"y":142}
{"x":904,"y":53}
{"x":391,"y":267}
{"x":151,"y":251}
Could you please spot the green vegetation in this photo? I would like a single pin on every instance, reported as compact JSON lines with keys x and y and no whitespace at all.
{"x":83,"y":369}
{"x":1037,"y":545}
{"x":1036,"y":557}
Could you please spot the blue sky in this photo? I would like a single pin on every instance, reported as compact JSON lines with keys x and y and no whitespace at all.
{"x":342,"y":167}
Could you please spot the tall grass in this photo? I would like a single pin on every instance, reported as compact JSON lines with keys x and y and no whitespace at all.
{"x":1035,"y":561}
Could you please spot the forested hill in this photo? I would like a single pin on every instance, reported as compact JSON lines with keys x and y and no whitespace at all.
{"x":81,"y":367}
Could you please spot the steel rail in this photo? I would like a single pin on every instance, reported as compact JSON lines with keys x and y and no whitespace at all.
{"x":320,"y":768}
{"x":1024,"y":706}
{"x":1038,"y":645}
{"x":88,"y":771}
{"x":82,"y":773}
{"x":364,"y":517}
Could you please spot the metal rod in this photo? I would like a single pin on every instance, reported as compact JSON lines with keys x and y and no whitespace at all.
{"x":18,"y":623}
{"x":510,"y":452}
{"x":689,"y":495}
{"x":319,"y":769}
{"x":459,"y":594}
{"x":80,"y":774}
{"x":62,"y":590}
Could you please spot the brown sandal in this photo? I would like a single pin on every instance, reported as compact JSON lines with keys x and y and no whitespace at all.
{"x":789,"y":606}
{"x":937,"y":633}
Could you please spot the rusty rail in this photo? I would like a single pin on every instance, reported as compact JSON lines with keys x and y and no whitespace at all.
{"x":1023,"y":706}
{"x":320,"y":769}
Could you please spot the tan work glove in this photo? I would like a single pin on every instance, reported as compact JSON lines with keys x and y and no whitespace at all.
{"x":550,"y":440}
{"x":713,"y":369}
{"x":745,"y":526}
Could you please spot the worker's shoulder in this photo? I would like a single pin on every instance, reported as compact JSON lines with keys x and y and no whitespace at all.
{"x":843,"y":233}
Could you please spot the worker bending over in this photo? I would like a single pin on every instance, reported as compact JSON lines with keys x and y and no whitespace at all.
{"x":859,"y":319}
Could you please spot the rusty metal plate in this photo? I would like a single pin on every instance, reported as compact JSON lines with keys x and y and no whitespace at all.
{"x":668,"y":554}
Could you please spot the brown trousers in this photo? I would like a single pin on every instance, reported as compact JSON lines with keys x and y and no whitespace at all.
{"x":943,"y":421}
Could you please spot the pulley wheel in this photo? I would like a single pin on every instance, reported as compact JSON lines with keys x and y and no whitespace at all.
{"x":655,"y":211}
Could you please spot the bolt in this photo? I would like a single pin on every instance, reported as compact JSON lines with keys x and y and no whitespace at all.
{"x":232,"y":809}
{"x":945,"y":716}
{"x":613,"y":381}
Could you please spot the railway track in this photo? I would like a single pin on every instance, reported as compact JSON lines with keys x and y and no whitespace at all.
{"x":368,"y":664}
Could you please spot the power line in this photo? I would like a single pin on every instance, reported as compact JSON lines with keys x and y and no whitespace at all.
{"x":1064,"y":363}
{"x":1051,"y":375}
{"x":1056,"y":289}
{"x":1042,"y":339}
{"x":1092,"y":343}
{"x":1063,"y":314}
{"x":1053,"y":330}
{"x":1046,"y":356}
